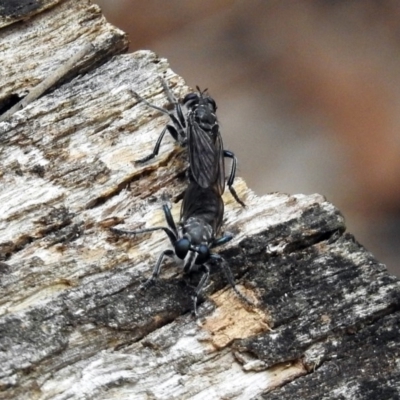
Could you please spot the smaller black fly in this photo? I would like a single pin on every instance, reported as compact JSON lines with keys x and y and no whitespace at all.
{"x":198,"y":130}
{"x":195,"y":236}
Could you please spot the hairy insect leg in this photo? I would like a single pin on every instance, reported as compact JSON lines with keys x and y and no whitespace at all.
{"x":170,"y":220}
{"x":157,"y":269}
{"x":172,"y":235}
{"x":235,"y":196}
{"x":229,"y":277}
{"x":168,"y":91}
{"x":180,"y":121}
{"x":229,"y":154}
{"x":180,"y":196}
{"x":172,"y":131}
{"x":203,"y":281}
{"x":177,"y":130}
{"x":173,"y":100}
{"x":222,"y":240}
{"x":148,"y":104}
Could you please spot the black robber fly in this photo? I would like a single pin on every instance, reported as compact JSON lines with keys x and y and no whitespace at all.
{"x":198,"y":129}
{"x":193,"y":237}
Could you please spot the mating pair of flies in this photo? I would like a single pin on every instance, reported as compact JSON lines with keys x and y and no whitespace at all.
{"x":202,"y":208}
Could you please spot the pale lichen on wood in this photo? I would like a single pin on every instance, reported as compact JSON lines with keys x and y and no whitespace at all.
{"x":72,"y":322}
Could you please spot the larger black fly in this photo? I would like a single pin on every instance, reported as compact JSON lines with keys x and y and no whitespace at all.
{"x":199,"y":131}
{"x":192,"y":240}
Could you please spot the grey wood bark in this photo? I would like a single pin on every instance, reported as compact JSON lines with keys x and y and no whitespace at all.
{"x":32,"y":50}
{"x":72,"y":322}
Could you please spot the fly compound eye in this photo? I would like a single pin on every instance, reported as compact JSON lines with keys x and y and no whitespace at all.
{"x":203,"y":254}
{"x":182,"y":247}
{"x":213,"y":104}
{"x":190,"y":99}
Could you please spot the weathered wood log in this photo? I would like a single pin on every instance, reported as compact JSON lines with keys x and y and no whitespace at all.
{"x":32,"y":50}
{"x":72,"y":322}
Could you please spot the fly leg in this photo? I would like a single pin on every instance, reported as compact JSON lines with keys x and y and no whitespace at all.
{"x":173,"y":100}
{"x":230,"y":278}
{"x":229,"y":154}
{"x":171,"y":233}
{"x":203,"y":281}
{"x":176,"y":130}
{"x":172,"y":131}
{"x":222,"y":240}
{"x":156,"y":270}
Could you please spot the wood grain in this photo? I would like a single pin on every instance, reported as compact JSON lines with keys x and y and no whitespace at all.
{"x":32,"y":50}
{"x":74,"y":325}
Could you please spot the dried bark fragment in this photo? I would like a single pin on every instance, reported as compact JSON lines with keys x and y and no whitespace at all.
{"x":35,"y":48}
{"x":14,"y":10}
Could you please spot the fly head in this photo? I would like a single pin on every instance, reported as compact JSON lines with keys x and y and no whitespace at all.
{"x":203,"y":254}
{"x":182,"y":247}
{"x":194,"y":100}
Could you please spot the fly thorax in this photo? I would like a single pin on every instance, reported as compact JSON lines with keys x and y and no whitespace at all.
{"x":197,"y":231}
{"x":206,"y":119}
{"x":182,"y":247}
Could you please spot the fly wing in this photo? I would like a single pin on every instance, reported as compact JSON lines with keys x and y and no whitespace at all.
{"x":206,"y":158}
{"x":220,"y":165}
{"x":191,"y":204}
{"x":203,"y":155}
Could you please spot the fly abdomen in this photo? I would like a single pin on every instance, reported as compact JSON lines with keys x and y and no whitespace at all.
{"x":205,"y":204}
{"x":198,"y":231}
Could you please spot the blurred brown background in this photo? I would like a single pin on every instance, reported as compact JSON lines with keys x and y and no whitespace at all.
{"x":308,"y":95}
